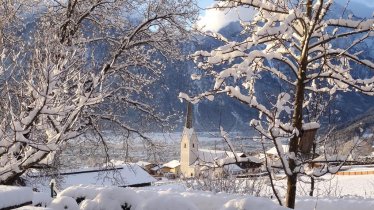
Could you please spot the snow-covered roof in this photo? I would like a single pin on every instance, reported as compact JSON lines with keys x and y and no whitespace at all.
{"x":311,"y":126}
{"x":253,"y":159}
{"x":210,"y":156}
{"x":231,"y":160}
{"x":273,"y":150}
{"x":156,"y":168}
{"x":172,"y":164}
{"x":143,"y":163}
{"x":333,"y":158}
{"x":126,"y":175}
{"x":233,"y":168}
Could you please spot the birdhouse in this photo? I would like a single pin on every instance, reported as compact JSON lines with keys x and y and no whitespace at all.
{"x":308,"y":134}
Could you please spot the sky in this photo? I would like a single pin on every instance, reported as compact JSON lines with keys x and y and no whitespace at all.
{"x":213,"y":20}
{"x":204,"y":3}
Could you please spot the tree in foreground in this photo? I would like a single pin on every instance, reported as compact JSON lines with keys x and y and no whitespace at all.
{"x":299,"y":46}
{"x":72,"y":67}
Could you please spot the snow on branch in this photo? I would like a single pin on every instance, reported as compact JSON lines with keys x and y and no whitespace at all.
{"x":266,"y":5}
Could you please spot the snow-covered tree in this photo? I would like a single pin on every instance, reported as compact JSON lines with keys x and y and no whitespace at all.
{"x":299,"y":45}
{"x":69,"y":67}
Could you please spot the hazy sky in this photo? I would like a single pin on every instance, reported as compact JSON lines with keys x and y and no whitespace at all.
{"x":214,"y":20}
{"x":204,"y":3}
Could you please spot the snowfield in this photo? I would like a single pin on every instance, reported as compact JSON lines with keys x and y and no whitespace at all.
{"x":98,"y":197}
{"x":332,"y":193}
{"x":14,"y":196}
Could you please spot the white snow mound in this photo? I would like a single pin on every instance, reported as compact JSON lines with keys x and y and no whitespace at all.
{"x":251,"y":203}
{"x":167,"y":202}
{"x":64,"y":203}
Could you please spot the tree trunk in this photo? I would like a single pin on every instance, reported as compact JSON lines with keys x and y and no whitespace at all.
{"x":297,"y":118}
{"x":293,"y":147}
{"x":291,"y":191}
{"x":297,"y":122}
{"x":294,"y":141}
{"x":312,"y":178}
{"x":292,"y":178}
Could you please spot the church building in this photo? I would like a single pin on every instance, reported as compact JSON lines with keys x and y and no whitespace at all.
{"x":189,"y":147}
{"x":195,"y":161}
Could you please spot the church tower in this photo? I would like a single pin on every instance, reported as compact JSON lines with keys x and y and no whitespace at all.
{"x":189,"y":146}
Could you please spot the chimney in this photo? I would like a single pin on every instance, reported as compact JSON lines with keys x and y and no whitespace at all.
{"x":189,"y":115}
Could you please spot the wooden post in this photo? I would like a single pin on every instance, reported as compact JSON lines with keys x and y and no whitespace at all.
{"x":52,"y":184}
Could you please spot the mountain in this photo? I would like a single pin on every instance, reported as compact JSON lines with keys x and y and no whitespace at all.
{"x":360,"y":126}
{"x":357,"y":8}
{"x":234,"y":116}
{"x":208,"y":115}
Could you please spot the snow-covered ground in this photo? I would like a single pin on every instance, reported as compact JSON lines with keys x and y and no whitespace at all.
{"x":332,"y":193}
{"x":14,"y":196}
{"x":360,"y":186}
{"x":176,"y":197}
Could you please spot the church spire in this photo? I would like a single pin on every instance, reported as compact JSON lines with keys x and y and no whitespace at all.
{"x":189,"y":115}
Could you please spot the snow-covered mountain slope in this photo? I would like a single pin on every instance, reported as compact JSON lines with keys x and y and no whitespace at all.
{"x":235,"y":116}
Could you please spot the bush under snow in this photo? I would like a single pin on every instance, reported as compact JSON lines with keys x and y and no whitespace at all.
{"x":115,"y":198}
{"x":251,"y":203}
{"x":167,"y":202}
{"x":41,"y":199}
{"x":64,"y":203}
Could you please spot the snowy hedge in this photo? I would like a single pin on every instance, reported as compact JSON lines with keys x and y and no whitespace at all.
{"x":115,"y":198}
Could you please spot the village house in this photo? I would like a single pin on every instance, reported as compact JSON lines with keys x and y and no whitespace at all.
{"x":272,"y":153}
{"x":171,"y":167}
{"x":147,"y":166}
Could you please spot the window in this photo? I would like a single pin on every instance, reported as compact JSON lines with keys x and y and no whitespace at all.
{"x":191,"y":174}
{"x":193,"y":145}
{"x":185,"y":145}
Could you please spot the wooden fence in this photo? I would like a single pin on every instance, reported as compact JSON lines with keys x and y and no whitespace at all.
{"x":347,"y":173}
